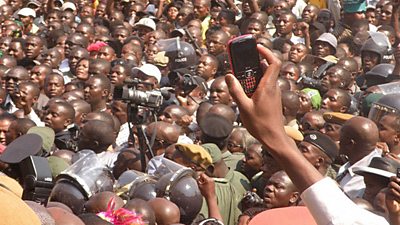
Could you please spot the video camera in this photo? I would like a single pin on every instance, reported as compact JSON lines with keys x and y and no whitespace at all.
{"x":183,"y":79}
{"x":128,"y":93}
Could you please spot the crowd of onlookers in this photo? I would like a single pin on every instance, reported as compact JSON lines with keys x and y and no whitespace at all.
{"x":128,"y":112}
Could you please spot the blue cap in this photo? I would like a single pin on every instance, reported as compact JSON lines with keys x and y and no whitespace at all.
{"x":353,"y":6}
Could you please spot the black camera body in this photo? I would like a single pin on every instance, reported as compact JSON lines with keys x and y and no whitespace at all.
{"x":251,"y":199}
{"x":37,"y":179}
{"x":184,"y":79}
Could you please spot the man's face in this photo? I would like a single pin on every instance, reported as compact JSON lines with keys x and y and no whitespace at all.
{"x":252,"y":159}
{"x":289,"y":72}
{"x":38,"y":75}
{"x":206,"y":69}
{"x":118,"y":75}
{"x":70,"y":43}
{"x":13,"y":79}
{"x":52,"y":17}
{"x":93,"y":91}
{"x":52,"y":58}
{"x":331,"y":101}
{"x":277,"y":192}
{"x":219,"y":93}
{"x":310,"y":122}
{"x":284,"y":24}
{"x":54,"y":86}
{"x":106,"y":53}
{"x":16,"y":50}
{"x":84,"y":30}
{"x":332,"y":130}
{"x":309,"y":13}
{"x":297,"y":53}
{"x":305,"y":102}
{"x":371,"y":17}
{"x":200,"y":9}
{"x":15,"y":4}
{"x":25,"y":96}
{"x":4,"y":125}
{"x":76,"y":55}
{"x":386,"y":15}
{"x":325,"y":18}
{"x":309,"y":151}
{"x":125,"y":161}
{"x":86,"y":11}
{"x":121,"y":34}
{"x":146,"y":79}
{"x":332,"y":79}
{"x":142,"y":31}
{"x":33,"y":47}
{"x":55,"y":118}
{"x":369,"y":60}
{"x":386,"y":131}
{"x":170,"y":115}
{"x":270,"y":165}
{"x":11,"y":134}
{"x":5,"y":44}
{"x":6,"y":11}
{"x":101,"y":10}
{"x":255,"y":29}
{"x":67,"y":17}
{"x":322,"y":49}
{"x":215,"y":44}
{"x":26,"y":20}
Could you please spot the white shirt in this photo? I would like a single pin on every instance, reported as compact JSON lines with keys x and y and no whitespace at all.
{"x":108,"y":158}
{"x":35,"y":118}
{"x":353,"y":185}
{"x":123,"y":134}
{"x":298,"y":8}
{"x":330,"y":206}
{"x":10,"y":104}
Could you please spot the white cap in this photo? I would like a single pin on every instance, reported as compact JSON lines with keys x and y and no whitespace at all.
{"x":68,"y":5}
{"x":147,"y":22}
{"x":27,"y":12}
{"x":150,"y":70}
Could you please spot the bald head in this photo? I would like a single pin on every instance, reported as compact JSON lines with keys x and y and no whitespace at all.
{"x":81,"y":108}
{"x":166,"y":131}
{"x":142,"y":207}
{"x":166,"y":212}
{"x":98,"y":202}
{"x":290,"y":103}
{"x":358,"y":138}
{"x":224,"y":111}
{"x":18,"y":128}
{"x":63,"y":217}
{"x":95,"y":135}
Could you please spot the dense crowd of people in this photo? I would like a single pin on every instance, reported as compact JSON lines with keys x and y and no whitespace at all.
{"x":128,"y":112}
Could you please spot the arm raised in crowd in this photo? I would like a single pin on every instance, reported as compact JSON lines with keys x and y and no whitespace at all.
{"x":262,"y":116}
{"x":393,"y":201}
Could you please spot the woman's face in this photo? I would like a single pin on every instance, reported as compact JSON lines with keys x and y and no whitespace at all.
{"x":82,"y":69}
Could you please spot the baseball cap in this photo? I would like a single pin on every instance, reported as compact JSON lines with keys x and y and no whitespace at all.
{"x":160,"y":59}
{"x":328,"y":38}
{"x":147,"y":22}
{"x":34,"y":3}
{"x":322,"y":142}
{"x":150,"y":70}
{"x":68,"y":5}
{"x":353,"y":6}
{"x":27,"y":12}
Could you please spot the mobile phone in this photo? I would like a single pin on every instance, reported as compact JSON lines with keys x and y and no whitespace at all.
{"x":245,"y":62}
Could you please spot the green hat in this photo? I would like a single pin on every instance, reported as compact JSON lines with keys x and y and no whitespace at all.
{"x":314,"y":96}
{"x":196,"y":154}
{"x":368,"y":101}
{"x":353,"y":6}
{"x":47,"y":134}
{"x":57,"y":165}
{"x":214,"y":151}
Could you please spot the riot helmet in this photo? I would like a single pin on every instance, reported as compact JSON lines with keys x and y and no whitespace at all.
{"x":181,"y":188}
{"x":69,"y":193}
{"x":90,"y":174}
{"x":181,"y":54}
{"x":378,"y":74}
{"x":143,"y":187}
{"x":377,"y":43}
{"x":387,"y":104}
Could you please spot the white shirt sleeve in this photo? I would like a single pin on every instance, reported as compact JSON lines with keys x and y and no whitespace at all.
{"x":330,"y":206}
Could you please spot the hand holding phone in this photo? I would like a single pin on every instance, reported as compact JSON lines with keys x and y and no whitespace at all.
{"x":245,"y":62}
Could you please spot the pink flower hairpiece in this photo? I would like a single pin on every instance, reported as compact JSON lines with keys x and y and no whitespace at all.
{"x":120,"y":216}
